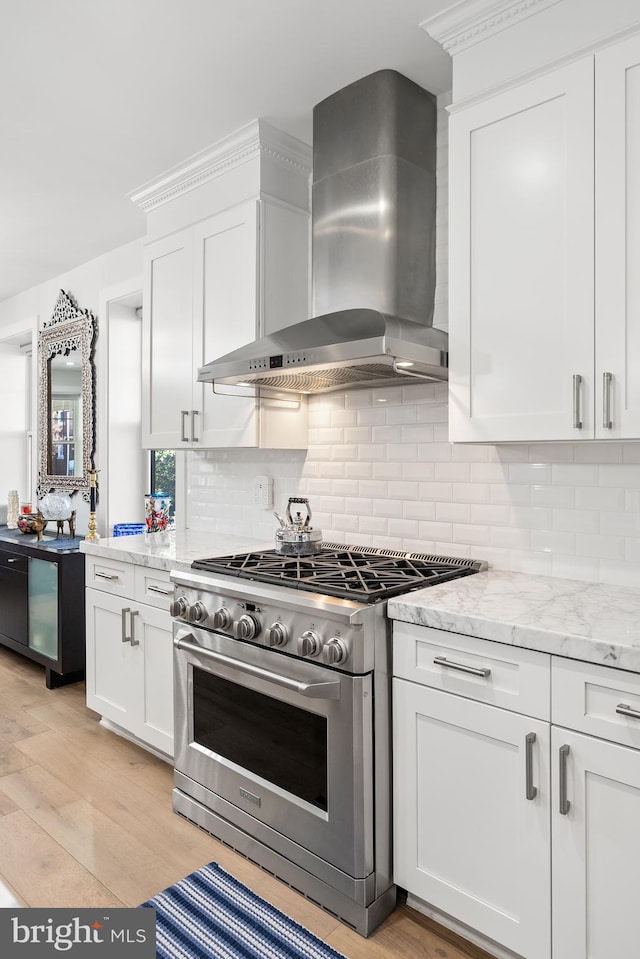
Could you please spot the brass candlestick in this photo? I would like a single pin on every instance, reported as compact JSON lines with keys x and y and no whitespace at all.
{"x":92,"y":536}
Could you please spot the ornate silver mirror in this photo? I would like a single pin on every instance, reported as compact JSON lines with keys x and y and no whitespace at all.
{"x":66,"y":408}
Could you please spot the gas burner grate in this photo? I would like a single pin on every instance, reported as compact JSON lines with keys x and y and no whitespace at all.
{"x":363,"y":575}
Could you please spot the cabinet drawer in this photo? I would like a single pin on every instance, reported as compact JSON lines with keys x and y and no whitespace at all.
{"x":110,"y":576}
{"x":506,"y":676}
{"x":596,"y":700}
{"x":153,"y":587}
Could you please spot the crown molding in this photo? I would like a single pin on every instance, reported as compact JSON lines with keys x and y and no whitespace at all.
{"x":257,"y":138}
{"x":468,"y":22}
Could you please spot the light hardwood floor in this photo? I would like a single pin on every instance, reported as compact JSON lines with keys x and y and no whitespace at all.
{"x":86,"y":820}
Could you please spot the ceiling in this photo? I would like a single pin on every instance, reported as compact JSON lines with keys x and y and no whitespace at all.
{"x":100,"y":96}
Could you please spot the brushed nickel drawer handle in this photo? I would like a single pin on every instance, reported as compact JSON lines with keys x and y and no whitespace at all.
{"x":563,"y":755}
{"x":531,"y":791}
{"x":623,"y":710}
{"x":158,"y":589}
{"x":109,"y":576}
{"x":482,"y":671}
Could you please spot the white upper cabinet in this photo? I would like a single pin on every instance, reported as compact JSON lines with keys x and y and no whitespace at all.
{"x":215,"y":283}
{"x":521,"y":262}
{"x":544,"y":232}
{"x":618,"y":240}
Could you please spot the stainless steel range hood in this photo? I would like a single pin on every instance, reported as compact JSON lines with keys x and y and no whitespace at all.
{"x":373,"y":257}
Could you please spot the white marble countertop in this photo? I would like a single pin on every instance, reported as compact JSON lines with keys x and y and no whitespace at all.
{"x":169,"y":549}
{"x":593,"y":622}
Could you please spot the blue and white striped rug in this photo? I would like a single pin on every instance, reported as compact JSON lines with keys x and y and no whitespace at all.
{"x":210,"y":915}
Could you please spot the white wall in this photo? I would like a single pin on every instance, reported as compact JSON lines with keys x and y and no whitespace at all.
{"x":29,"y":310}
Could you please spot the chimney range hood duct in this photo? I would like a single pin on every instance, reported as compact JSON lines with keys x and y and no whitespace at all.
{"x":373,"y":255}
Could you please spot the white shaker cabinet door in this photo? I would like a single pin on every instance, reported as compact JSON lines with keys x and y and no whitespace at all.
{"x":167,"y":372}
{"x":596,"y":847}
{"x":226,"y":281}
{"x":471,"y":814}
{"x":618,"y":240}
{"x":521,"y":311}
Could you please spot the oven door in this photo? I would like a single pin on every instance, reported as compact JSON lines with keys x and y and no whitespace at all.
{"x":284,"y":741}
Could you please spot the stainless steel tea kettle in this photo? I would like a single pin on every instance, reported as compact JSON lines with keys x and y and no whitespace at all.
{"x":297,"y":537}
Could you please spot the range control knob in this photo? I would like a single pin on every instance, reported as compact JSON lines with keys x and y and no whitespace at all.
{"x":309,"y":643}
{"x":334,"y":651}
{"x":197,"y":613}
{"x":277,"y":634}
{"x":179,"y":607}
{"x":247,"y":627}
{"x":222,"y":618}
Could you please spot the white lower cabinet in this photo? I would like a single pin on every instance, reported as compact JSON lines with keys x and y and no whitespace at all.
{"x":471,"y":800}
{"x":596,"y":812}
{"x":521,"y":831}
{"x":130,"y":656}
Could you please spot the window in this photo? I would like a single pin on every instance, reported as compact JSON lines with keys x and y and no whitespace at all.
{"x":163,"y":476}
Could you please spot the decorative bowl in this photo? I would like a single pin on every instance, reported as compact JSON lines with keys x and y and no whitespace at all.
{"x":31,"y":523}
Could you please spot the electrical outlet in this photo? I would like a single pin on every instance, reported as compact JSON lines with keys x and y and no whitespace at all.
{"x":263,"y":492}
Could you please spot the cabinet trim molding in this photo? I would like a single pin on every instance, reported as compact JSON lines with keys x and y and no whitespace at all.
{"x":464,"y":25}
{"x":250,"y":141}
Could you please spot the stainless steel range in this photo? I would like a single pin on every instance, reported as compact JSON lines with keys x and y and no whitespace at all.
{"x":282,"y":680}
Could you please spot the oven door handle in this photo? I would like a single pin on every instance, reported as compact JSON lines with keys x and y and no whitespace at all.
{"x":311,"y":690}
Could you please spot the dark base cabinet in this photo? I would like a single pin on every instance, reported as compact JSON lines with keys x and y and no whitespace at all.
{"x":42,"y":610}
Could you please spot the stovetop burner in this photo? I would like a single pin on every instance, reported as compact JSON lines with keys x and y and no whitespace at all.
{"x":363,"y":575}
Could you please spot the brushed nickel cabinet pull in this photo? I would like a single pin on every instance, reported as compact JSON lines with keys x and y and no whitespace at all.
{"x":623,"y":710}
{"x":123,"y":614}
{"x":109,"y":576}
{"x":158,"y":589}
{"x":194,"y":437}
{"x":482,"y":671}
{"x":577,"y":384}
{"x":531,"y":791}
{"x":606,"y":401}
{"x":132,"y":616}
{"x":183,"y":417}
{"x":565,"y":805}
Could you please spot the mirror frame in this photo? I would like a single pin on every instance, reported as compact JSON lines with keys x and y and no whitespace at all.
{"x":69,"y":328}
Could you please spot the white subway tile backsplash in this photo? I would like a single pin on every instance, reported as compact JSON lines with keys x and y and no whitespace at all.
{"x":576,"y":520}
{"x":559,"y":496}
{"x":553,"y":541}
{"x":624,"y":474}
{"x":530,"y":517}
{"x":620,"y":524}
{"x":453,"y":512}
{"x":389,"y":507}
{"x":415,"y":510}
{"x":487,"y":514}
{"x":404,"y":490}
{"x":603,"y":547}
{"x":401,"y":415}
{"x":574,"y":567}
{"x":371,"y":417}
{"x":529,"y":474}
{"x":593,"y":497}
{"x":436,"y":491}
{"x":418,"y":471}
{"x":597,"y":452}
{"x":435,"y":452}
{"x":473,"y":535}
{"x":470,"y":492}
{"x":389,"y":471}
{"x":574,"y":474}
{"x":452,"y":472}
